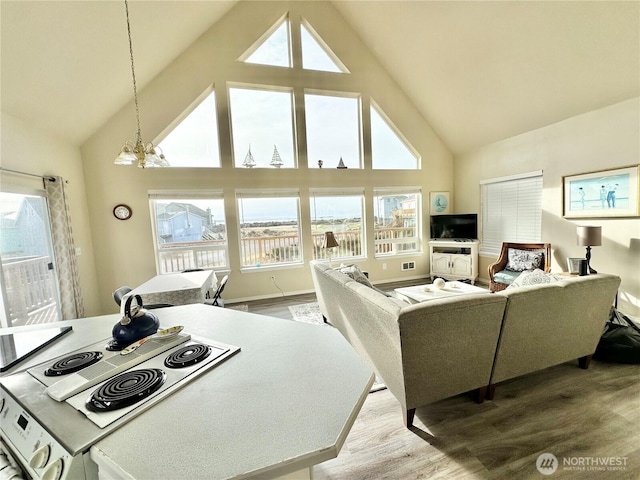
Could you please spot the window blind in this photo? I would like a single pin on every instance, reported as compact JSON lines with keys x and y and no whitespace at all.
{"x":511,"y":211}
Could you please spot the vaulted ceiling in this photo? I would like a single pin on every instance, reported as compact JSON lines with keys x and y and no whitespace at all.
{"x":479,"y":72}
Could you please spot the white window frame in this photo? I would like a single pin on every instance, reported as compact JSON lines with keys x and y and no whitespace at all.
{"x":395,"y":242}
{"x":269,"y":193}
{"x":343,"y":192}
{"x":155,"y":195}
{"x":511,"y":210}
{"x":329,"y":163}
{"x":239,"y":156}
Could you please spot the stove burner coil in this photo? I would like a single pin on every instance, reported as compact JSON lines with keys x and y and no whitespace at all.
{"x":126,"y":389}
{"x":187,"y":356}
{"x":73,"y":363}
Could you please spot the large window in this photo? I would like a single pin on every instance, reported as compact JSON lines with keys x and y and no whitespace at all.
{"x":190,"y":230}
{"x":341,"y":212}
{"x":389,"y":149}
{"x":194,"y":141}
{"x":511,"y":211}
{"x":269,"y":227}
{"x":397,"y":220}
{"x":333,"y":130}
{"x":262,"y":128}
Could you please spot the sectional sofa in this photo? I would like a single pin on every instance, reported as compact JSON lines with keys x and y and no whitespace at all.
{"x":437,"y":349}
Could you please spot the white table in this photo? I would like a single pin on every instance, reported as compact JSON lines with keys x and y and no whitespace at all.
{"x":176,"y":288}
{"x":424,"y":293}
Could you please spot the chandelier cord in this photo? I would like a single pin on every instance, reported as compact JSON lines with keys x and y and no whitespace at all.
{"x":133,"y":75}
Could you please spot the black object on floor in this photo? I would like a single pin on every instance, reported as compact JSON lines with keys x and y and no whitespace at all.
{"x":620,"y":341}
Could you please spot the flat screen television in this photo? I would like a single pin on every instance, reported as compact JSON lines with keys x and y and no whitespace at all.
{"x":461,"y":226}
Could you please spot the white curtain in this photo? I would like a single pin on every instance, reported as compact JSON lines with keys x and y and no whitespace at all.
{"x":64,"y":249}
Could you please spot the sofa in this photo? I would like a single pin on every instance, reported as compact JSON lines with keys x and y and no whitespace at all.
{"x":546,"y":324}
{"x":434,"y":350}
{"x":423,"y":352}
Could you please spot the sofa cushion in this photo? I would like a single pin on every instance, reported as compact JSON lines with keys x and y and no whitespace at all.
{"x":521,"y":260}
{"x":506,"y":276}
{"x":355,"y":273}
{"x":534,"y":277}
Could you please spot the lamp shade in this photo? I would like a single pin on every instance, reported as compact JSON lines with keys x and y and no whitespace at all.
{"x":589,"y":236}
{"x":329,"y":240}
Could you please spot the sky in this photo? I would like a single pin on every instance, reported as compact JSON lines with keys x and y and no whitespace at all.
{"x":263,"y":120}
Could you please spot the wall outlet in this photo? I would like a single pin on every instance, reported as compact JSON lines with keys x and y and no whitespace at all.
{"x":384,"y":266}
{"x":408,"y":265}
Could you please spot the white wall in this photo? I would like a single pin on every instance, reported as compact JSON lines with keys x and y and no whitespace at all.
{"x":598,"y":140}
{"x":29,"y":150}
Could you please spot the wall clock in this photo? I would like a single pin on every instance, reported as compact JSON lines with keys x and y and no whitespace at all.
{"x":122,"y":212}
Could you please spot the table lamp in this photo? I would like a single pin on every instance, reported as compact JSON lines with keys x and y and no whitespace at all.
{"x":329,"y":243}
{"x":590,"y":237}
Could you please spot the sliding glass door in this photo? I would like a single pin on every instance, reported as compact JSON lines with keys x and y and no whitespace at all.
{"x":28,"y":280}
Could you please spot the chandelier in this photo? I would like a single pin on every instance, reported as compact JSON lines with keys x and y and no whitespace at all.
{"x":146,"y":155}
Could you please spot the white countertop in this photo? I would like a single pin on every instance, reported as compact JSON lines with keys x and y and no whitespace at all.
{"x":285,"y":402}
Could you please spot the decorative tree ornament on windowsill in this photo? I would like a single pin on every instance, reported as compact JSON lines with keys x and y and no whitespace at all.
{"x":341,"y":164}
{"x":276,"y":161}
{"x":249,"y":162}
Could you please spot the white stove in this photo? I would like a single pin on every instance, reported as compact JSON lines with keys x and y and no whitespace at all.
{"x":49,"y":418}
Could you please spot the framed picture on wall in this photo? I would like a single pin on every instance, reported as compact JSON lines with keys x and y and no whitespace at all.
{"x":602,"y":194}
{"x":439,"y":203}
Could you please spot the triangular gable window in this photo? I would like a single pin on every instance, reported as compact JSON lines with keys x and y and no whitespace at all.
{"x":389,"y":149}
{"x":273,"y":48}
{"x":316,"y":55}
{"x":194,"y":141}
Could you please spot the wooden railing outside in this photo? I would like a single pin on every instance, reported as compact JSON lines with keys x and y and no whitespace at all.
{"x":270,"y":250}
{"x":30,"y":287}
{"x":395,"y":240}
{"x":184,"y":256}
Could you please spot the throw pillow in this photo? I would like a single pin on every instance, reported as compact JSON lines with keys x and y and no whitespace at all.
{"x":534,"y":277}
{"x":356,"y":274}
{"x":521,"y":260}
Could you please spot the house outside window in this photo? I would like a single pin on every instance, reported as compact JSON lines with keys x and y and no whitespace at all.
{"x":397,"y":215}
{"x":269,"y":224}
{"x":511,"y":211}
{"x":342,"y":212}
{"x":190,"y":231}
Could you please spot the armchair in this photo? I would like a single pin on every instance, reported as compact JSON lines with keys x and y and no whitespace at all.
{"x":500,"y":276}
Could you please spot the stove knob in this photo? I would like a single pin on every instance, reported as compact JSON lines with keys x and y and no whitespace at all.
{"x":53,"y":471}
{"x":40,"y":457}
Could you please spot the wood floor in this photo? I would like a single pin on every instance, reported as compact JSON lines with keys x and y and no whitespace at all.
{"x":580,"y":416}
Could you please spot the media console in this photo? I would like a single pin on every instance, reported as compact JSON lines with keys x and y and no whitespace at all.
{"x":454,"y":259}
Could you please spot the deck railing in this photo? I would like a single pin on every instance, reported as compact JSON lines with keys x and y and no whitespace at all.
{"x":270,"y":250}
{"x":29,"y":285}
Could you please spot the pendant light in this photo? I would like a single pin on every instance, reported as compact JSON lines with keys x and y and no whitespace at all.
{"x":146,"y":155}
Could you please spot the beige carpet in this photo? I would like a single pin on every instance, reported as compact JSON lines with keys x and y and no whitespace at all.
{"x":243,"y":307}
{"x":307,"y":313}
